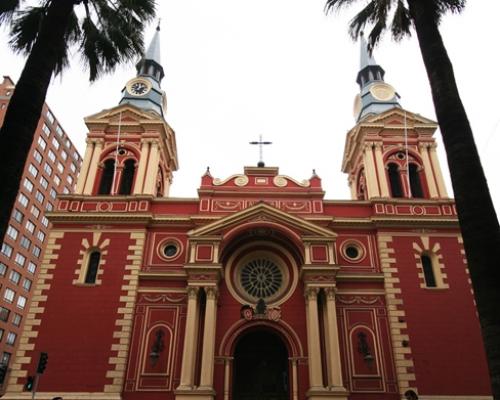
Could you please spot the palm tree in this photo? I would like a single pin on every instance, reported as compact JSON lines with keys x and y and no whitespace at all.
{"x":108,"y":32}
{"x":477,"y":216}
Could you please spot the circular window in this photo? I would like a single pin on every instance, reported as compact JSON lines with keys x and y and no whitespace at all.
{"x":353,"y":251}
{"x":400,"y":156}
{"x":261,"y":278}
{"x":170,"y":250}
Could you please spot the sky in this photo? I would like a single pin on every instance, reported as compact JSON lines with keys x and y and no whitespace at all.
{"x":285,"y":70}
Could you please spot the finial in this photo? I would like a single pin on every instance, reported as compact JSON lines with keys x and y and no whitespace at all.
{"x":314,"y":172}
{"x":260,"y":143}
{"x":158,"y":26}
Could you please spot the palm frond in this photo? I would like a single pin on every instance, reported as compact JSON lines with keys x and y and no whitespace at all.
{"x":401,"y":21}
{"x":332,"y":5}
{"x":7,"y":9}
{"x":366,"y":16}
{"x":25,"y":29}
{"x":71,"y":36}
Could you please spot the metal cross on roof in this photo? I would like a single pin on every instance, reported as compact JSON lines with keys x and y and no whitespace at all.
{"x":261,"y":144}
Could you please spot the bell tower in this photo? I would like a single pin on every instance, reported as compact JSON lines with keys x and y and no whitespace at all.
{"x":131,"y":149}
{"x":390,"y":152}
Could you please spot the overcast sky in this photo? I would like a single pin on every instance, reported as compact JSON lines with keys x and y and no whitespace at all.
{"x":235,"y":70}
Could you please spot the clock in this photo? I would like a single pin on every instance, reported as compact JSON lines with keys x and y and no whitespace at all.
{"x":357,"y":106}
{"x":138,"y":87}
{"x":382,"y":91}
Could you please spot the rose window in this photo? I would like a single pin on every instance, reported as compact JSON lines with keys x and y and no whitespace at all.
{"x":261,"y":278}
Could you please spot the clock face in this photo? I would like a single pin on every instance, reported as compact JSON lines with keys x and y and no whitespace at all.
{"x":138,"y":87}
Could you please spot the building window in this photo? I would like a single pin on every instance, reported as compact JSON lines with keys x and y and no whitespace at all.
{"x":12,"y":232}
{"x":6,"y":250}
{"x":25,"y":242}
{"x":49,"y":206}
{"x":59,"y":131}
{"x":21,"y":302}
{"x":395,"y":180}
{"x":27,"y":284}
{"x":52,"y":156}
{"x":30,"y":226}
{"x":33,"y":170}
{"x":64,"y":155}
{"x":37,"y":156}
{"x":17,"y":215}
{"x":107,"y":177}
{"x":127,"y":177}
{"x":17,"y":319}
{"x":11,"y":338}
{"x":31,"y":268}
{"x":3,"y":269}
{"x":42,"y":143}
{"x":9,"y":295}
{"x":28,"y":185}
{"x":14,"y":277}
{"x":1,"y":334}
{"x":57,"y":180}
{"x":20,"y":259}
{"x":415,"y":183}
{"x":5,"y":358}
{"x":69,"y":179}
{"x":60,"y":167}
{"x":53,"y":193}
{"x":55,"y":143}
{"x":45,"y":221}
{"x":46,"y":129}
{"x":429,"y":276}
{"x":41,"y":236}
{"x":23,"y":200}
{"x":36,"y":251}
{"x":48,"y":169}
{"x":50,"y":117}
{"x":4,"y":314}
{"x":72,"y":167}
{"x":39,"y":196}
{"x":92,"y":267}
{"x":35,"y":211}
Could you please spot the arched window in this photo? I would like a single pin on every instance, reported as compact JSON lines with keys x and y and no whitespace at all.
{"x":127,"y":177}
{"x":92,"y":267}
{"x":415,"y":184}
{"x":395,"y":181}
{"x":430,"y":278}
{"x":107,"y":177}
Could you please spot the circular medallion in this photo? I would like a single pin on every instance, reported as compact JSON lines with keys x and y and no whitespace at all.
{"x":382,"y":91}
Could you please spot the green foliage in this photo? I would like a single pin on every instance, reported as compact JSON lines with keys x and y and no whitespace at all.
{"x":394,"y":15}
{"x":105,"y":32}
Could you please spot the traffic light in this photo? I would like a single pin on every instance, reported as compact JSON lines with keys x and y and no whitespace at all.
{"x":42,"y":362}
{"x":30,"y":381}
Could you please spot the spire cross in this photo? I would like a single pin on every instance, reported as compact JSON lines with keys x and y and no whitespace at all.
{"x":260,"y":143}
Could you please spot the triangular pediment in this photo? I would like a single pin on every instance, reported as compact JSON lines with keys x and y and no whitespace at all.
{"x":124,"y":113}
{"x":264,"y":213}
{"x":397,"y":116}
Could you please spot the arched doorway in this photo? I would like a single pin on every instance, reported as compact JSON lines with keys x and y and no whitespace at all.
{"x":260,"y":369}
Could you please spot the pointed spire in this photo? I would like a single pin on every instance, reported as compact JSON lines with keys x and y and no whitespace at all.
{"x":375,"y":95}
{"x":153,"y":51}
{"x":366,"y":58}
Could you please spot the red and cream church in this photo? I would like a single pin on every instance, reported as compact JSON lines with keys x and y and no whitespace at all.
{"x":260,"y":288}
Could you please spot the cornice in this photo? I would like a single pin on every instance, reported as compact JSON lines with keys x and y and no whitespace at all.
{"x":355,"y":277}
{"x":175,"y":274}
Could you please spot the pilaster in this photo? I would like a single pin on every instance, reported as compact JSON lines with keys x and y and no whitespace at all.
{"x":94,"y":164}
{"x":370,"y":171}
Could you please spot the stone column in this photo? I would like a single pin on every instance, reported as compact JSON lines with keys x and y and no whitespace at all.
{"x":370,"y":171}
{"x":332,"y":340}
{"x":295,"y":375}
{"x":94,"y":163}
{"x":189,"y":350}
{"x":227,"y":375}
{"x":152,"y":170}
{"x":207,"y":356}
{"x":84,"y":170}
{"x":313,"y":340}
{"x":352,"y":185}
{"x":382,"y":176}
{"x":141,"y":170}
{"x":429,"y":174}
{"x":437,"y":172}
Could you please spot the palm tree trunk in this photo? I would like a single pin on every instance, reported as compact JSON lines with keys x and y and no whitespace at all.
{"x":25,"y":107}
{"x":477,"y":216}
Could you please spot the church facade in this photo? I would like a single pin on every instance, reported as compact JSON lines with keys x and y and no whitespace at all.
{"x":260,"y":288}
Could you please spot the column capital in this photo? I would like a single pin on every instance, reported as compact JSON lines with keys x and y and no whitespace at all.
{"x":211,"y":292}
{"x":330,"y":292}
{"x":378,"y":145}
{"x":311,"y":293}
{"x":192,"y":292}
